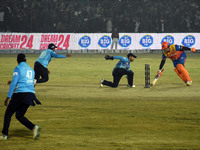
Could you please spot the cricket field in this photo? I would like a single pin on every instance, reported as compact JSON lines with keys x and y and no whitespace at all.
{"x":76,"y":114}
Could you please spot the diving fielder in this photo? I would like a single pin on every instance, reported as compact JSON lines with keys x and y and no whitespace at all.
{"x":42,"y":62}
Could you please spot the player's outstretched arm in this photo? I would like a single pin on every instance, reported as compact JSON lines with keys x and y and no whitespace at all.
{"x":162,"y":63}
{"x":53,"y":54}
{"x":188,"y":49}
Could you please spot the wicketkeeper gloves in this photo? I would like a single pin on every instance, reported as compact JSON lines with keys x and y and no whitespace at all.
{"x":108,"y":57}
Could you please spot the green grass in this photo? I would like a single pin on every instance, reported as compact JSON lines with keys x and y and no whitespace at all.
{"x":76,"y":114}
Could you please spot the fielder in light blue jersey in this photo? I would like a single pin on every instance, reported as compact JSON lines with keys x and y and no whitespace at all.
{"x":123,"y":63}
{"x":122,"y":68}
{"x":23,"y":80}
{"x":22,"y":95}
{"x":42,"y":62}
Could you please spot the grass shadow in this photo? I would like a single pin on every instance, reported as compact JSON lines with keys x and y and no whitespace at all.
{"x":22,"y":133}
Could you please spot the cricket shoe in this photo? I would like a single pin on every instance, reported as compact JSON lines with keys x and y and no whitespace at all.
{"x":36,"y":132}
{"x":189,"y":83}
{"x":131,"y":86}
{"x":3,"y":138}
{"x":101,"y":84}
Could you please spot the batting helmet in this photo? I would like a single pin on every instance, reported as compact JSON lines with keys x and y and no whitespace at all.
{"x":165,"y":45}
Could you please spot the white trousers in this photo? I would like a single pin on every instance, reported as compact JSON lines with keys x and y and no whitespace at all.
{"x":114,"y":41}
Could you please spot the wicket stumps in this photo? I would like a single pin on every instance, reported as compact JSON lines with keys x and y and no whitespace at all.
{"x":147,"y":75}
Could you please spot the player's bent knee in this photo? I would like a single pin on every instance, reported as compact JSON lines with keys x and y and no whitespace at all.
{"x":131,"y":72}
{"x":18,"y":117}
{"x":180,"y":67}
{"x":46,"y":79}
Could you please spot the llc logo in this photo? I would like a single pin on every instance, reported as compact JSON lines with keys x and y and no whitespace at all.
{"x":85,"y":41}
{"x":146,"y":41}
{"x":188,"y":41}
{"x":169,"y":39}
{"x":104,"y":41}
{"x":125,"y":41}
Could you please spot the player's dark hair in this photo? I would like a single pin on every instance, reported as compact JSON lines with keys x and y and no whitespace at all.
{"x":21,"y":58}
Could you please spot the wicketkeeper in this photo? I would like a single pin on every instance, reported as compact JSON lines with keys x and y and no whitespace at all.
{"x":122,"y":68}
{"x":178,"y":56}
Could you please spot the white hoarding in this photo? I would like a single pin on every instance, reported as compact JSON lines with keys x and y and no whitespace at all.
{"x":90,"y":41}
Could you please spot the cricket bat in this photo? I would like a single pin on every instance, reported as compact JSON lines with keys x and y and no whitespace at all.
{"x":156,"y":79}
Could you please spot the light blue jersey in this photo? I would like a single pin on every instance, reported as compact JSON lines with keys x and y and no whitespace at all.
{"x":23,"y":80}
{"x":46,"y":56}
{"x":123,"y":63}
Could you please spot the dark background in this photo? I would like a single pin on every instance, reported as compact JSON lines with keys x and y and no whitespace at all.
{"x":97,"y":16}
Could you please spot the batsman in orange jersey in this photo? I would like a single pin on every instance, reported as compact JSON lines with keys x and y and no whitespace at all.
{"x":178,"y":56}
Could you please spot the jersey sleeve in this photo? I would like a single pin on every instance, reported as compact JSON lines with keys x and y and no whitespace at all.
{"x":13,"y":84}
{"x":178,"y":47}
{"x":57,"y":56}
{"x":120,"y":58}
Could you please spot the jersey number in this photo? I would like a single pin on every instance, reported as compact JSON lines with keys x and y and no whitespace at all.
{"x":43,"y":54}
{"x":29,"y":74}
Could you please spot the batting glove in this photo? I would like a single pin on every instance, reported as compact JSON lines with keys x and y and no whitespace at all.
{"x":159,"y":72}
{"x":193,"y":49}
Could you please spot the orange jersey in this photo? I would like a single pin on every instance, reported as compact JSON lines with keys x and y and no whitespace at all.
{"x":174,"y":52}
